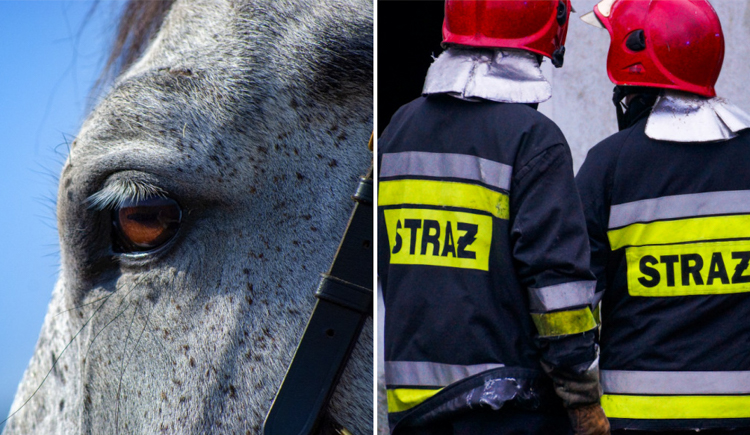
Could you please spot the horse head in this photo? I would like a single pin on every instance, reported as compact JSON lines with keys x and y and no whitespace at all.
{"x":200,"y":201}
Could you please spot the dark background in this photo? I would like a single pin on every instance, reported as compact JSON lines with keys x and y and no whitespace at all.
{"x":409,"y":34}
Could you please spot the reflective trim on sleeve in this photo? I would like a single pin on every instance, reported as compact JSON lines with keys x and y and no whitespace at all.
{"x":680,"y":206}
{"x":597,"y":298}
{"x":560,"y":296}
{"x":564,"y":322}
{"x":681,"y":231}
{"x":446,"y":165}
{"x":430,"y":374}
{"x":675,"y":383}
{"x":675,"y":407}
{"x":403,"y":399}
{"x":597,"y":306}
{"x":443,"y":194}
{"x":597,"y":313}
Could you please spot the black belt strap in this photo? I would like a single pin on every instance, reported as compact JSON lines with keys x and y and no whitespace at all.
{"x":344,"y":303}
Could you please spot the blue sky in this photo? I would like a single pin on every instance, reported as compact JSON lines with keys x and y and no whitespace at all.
{"x":48,"y":62}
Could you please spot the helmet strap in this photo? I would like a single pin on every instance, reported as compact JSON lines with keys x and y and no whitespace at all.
{"x":639,"y":106}
{"x":558,"y":56}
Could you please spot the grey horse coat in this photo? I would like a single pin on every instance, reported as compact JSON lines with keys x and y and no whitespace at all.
{"x":253,"y":116}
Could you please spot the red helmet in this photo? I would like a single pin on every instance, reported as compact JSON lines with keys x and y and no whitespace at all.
{"x":663,"y":43}
{"x":538,"y":26}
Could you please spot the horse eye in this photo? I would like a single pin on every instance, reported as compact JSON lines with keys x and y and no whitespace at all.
{"x":146,"y":224}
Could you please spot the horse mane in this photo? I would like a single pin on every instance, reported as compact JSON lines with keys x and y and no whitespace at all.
{"x":139,"y":22}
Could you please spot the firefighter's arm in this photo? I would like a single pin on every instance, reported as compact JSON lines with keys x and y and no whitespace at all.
{"x":594,"y":181}
{"x":550,"y":247}
{"x":384,"y":252}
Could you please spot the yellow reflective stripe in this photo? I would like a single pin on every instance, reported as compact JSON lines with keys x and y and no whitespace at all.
{"x":675,"y":407}
{"x":710,"y":268}
{"x":681,"y":231}
{"x":439,"y":238}
{"x":564,"y":322}
{"x":402,"y":399}
{"x":443,"y":194}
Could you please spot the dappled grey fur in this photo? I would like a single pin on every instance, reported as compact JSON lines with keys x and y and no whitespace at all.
{"x":254,"y":116}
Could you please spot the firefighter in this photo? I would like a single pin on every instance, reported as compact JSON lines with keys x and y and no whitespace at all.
{"x":667,"y":203}
{"x":483,"y":252}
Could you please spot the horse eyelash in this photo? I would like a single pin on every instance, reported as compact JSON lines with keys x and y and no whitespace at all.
{"x":119,"y":192}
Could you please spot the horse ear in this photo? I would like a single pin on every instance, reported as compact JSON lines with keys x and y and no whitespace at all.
{"x":343,"y":61}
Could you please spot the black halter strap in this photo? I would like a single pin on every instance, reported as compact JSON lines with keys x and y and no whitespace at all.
{"x":344,"y":303}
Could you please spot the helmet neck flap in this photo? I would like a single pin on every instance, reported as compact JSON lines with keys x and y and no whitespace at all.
{"x":684,"y":117}
{"x":501,"y":75}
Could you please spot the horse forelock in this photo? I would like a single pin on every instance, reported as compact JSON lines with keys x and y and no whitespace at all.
{"x":299,"y":58}
{"x":139,"y":22}
{"x":254,"y":116}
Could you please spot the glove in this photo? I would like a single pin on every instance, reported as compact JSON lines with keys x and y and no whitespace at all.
{"x":589,"y":420}
{"x":579,"y":389}
{"x":577,"y":386}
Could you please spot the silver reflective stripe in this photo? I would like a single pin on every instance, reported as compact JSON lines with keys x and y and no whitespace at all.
{"x":419,"y":373}
{"x":674,"y":383}
{"x":446,"y":165}
{"x":680,"y":206}
{"x":557,"y":297}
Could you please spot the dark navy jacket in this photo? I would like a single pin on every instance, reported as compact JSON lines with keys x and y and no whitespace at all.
{"x":670,"y":238}
{"x":483,"y":257}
